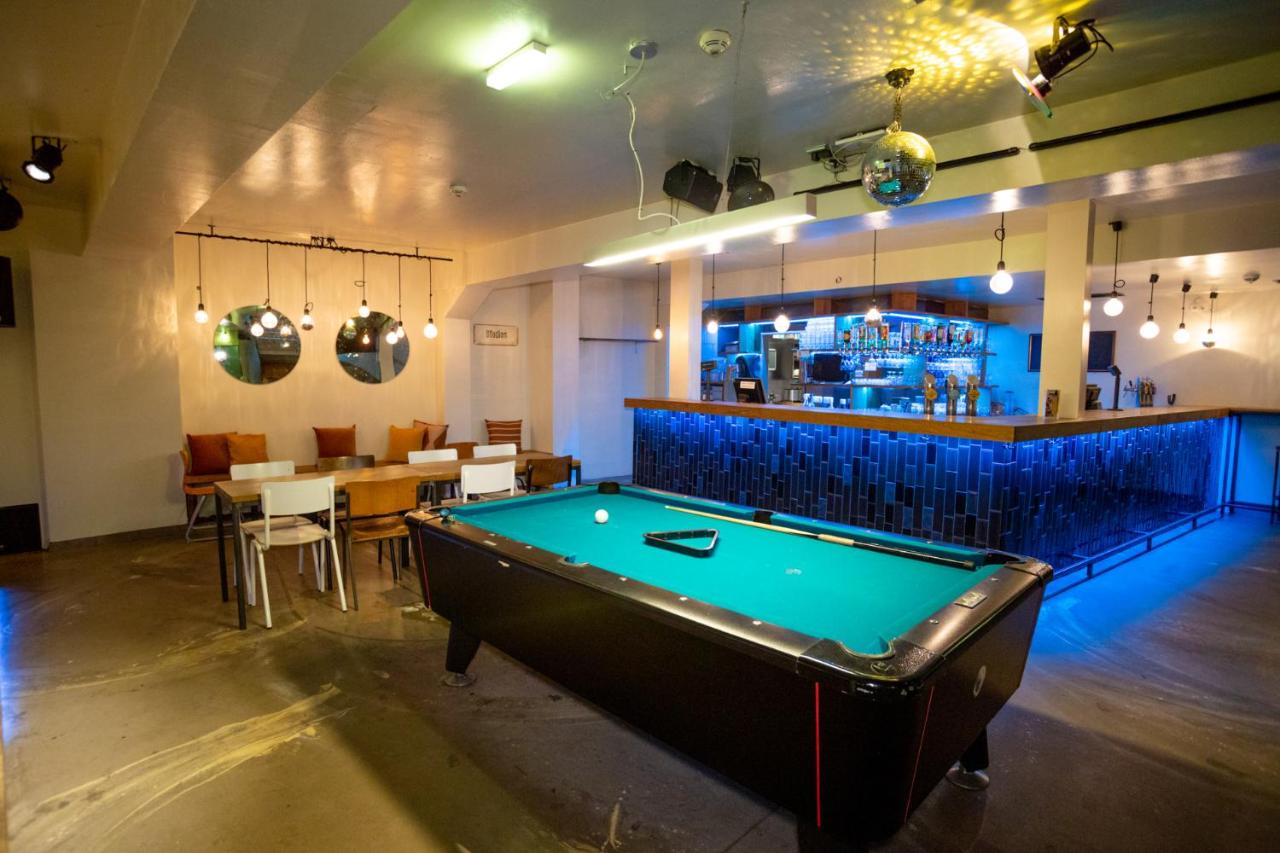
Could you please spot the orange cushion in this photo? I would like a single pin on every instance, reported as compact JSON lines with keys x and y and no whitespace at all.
{"x":335,"y":441}
{"x":247,"y":447}
{"x":400,"y":441}
{"x":209,"y":453}
{"x":504,"y":432}
{"x":436,"y":434}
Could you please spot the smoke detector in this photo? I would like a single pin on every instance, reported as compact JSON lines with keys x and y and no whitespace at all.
{"x":1251,"y":276}
{"x":714,"y":42}
{"x":458,"y":190}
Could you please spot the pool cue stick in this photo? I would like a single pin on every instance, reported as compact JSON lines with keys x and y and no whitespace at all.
{"x":825,"y":537}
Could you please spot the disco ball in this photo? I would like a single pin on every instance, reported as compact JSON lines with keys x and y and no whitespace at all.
{"x":898,"y":169}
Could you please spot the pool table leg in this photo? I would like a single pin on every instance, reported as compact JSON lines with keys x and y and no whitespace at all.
{"x":461,"y":651}
{"x":970,"y":772}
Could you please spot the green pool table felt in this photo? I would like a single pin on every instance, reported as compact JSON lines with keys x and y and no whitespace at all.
{"x":861,"y":598}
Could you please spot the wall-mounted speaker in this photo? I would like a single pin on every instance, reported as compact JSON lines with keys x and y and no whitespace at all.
{"x":690,"y":182}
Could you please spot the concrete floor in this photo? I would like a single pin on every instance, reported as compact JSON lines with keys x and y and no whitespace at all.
{"x":135,"y":717}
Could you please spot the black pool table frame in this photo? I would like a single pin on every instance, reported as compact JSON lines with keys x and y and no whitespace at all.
{"x":851,"y":743}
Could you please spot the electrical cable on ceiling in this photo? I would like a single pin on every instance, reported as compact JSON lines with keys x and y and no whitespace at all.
{"x":631,"y":143}
{"x":733,"y":95}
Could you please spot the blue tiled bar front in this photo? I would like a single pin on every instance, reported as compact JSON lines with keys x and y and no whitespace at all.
{"x":1054,"y":498}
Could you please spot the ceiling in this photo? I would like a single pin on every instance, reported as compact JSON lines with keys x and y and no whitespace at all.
{"x":61,"y":61}
{"x":372,"y":155}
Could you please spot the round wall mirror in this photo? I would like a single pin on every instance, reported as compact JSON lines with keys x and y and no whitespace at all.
{"x":258,"y":359}
{"x":366,"y":353}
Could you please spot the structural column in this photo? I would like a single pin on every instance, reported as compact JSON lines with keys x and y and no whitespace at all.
{"x":684,"y":333}
{"x":1065,"y":345}
{"x":565,"y":345}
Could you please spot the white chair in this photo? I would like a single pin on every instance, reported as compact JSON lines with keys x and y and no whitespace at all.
{"x":257,"y":471}
{"x":495,"y":480}
{"x":482,"y":451}
{"x":448,"y":454}
{"x":282,"y":501}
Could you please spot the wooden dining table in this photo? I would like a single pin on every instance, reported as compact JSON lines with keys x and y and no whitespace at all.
{"x":239,"y":494}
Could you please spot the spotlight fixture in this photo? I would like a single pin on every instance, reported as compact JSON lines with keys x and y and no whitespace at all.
{"x":269,"y":318}
{"x":1210,"y":340}
{"x":873,"y":318}
{"x":1001,"y":281}
{"x":713,"y":322}
{"x":202,"y":316}
{"x":1149,"y":329}
{"x":1072,"y":46}
{"x":899,"y":167}
{"x":657,"y":304}
{"x":782,"y":322}
{"x":1181,"y":335}
{"x":307,"y":321}
{"x":430,"y":331}
{"x":1113,"y":307}
{"x":10,"y":208}
{"x":526,"y":62}
{"x":746,"y":189}
{"x":46,"y":157}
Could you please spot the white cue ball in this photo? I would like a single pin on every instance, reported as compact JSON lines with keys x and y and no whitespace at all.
{"x":602,"y":516}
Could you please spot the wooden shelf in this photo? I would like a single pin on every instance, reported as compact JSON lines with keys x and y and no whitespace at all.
{"x":622,"y":340}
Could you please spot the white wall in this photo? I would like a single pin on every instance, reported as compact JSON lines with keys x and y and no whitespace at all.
{"x":1242,"y":370}
{"x":19,"y":416}
{"x":612,"y":371}
{"x":501,"y":376}
{"x":318,"y":392}
{"x":107,"y":379}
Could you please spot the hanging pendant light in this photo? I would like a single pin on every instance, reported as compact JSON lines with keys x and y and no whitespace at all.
{"x":307,"y":321}
{"x":1149,"y":329}
{"x":1181,"y":335}
{"x":1210,"y":340}
{"x":256,"y":329}
{"x":202,"y":316}
{"x":363,"y":311}
{"x":713,"y":323}
{"x":782,"y":322}
{"x":1001,"y":281}
{"x":395,"y":333}
{"x":873,"y":318}
{"x":1114,"y":306}
{"x":430,"y":331}
{"x":657,"y":305}
{"x":269,"y":318}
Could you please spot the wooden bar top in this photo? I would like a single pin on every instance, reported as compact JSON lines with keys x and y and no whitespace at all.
{"x":998,"y":428}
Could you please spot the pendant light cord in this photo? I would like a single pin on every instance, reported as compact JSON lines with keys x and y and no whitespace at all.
{"x":999,"y":234}
{"x":657,"y":295}
{"x":782,"y":279}
{"x":875,"y":250}
{"x":306,"y":290}
{"x":268,"y":248}
{"x":431,"y":283}
{"x":1116,"y":282}
{"x":399,"y":293}
{"x":733,"y":93}
{"x":713,"y":286}
{"x":200,"y":268}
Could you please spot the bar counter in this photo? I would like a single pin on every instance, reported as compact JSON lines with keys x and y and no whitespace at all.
{"x":1059,"y":489}
{"x":998,"y":428}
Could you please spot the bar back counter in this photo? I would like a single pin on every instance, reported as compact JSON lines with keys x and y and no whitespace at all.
{"x":1062,"y":490}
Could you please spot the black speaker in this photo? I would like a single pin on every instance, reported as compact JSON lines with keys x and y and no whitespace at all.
{"x":19,"y":528}
{"x":7,"y":319}
{"x":690,"y":182}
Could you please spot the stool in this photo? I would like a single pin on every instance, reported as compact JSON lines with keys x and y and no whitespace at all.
{"x":1275,"y":488}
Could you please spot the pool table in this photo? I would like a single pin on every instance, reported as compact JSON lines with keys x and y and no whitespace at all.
{"x":841,"y":677}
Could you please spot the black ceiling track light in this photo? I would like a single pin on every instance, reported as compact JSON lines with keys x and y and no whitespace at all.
{"x":46,"y":157}
{"x":10,"y":208}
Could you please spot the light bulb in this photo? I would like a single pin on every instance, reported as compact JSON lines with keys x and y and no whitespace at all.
{"x":1149,"y":329}
{"x":430,"y":330}
{"x":872,"y":317}
{"x":364,"y":309}
{"x":256,"y":329}
{"x":399,"y":330}
{"x":269,"y":319}
{"x":1001,"y":282}
{"x":1088,"y":305}
{"x":364,"y":339}
{"x":391,"y":337}
{"x":712,"y":326}
{"x":782,"y":322}
{"x":1113,"y":307}
{"x":219,"y":355}
{"x":286,"y":330}
{"x":308,"y":322}
{"x":1210,"y":340}
{"x":657,"y":333}
{"x":202,"y":316}
{"x":351,"y":324}
{"x":285,"y":344}
{"x":1181,"y":335}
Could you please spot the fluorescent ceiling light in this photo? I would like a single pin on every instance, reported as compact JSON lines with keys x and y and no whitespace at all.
{"x":744,"y":222}
{"x":526,"y":62}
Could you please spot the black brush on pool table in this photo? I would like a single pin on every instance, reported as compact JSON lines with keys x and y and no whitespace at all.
{"x":834,"y":540}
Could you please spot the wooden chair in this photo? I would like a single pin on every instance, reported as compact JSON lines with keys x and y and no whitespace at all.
{"x":375,"y":513}
{"x":287,"y":500}
{"x":548,"y":473}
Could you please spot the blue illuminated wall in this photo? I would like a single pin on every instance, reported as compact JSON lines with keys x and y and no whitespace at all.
{"x":1048,"y":498}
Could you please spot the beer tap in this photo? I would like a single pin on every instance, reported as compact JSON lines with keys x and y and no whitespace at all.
{"x":953,"y":395}
{"x":930,"y":393}
{"x":971,"y":394}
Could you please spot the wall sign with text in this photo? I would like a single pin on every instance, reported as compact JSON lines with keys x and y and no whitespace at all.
{"x":485,"y":335}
